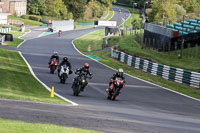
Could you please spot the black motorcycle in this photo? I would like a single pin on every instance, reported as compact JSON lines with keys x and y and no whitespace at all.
{"x":80,"y":83}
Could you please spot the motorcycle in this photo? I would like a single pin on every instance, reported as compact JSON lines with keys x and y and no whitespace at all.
{"x":59,"y":33}
{"x":79,"y":84}
{"x":117,"y":85}
{"x":53,"y":65}
{"x":64,"y":73}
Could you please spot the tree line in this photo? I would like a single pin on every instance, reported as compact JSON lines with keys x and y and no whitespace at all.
{"x":165,"y":9}
{"x":67,"y":9}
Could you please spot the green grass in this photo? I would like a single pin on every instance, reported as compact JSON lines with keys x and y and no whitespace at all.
{"x":12,"y":27}
{"x":17,"y":82}
{"x":111,"y":12}
{"x":8,"y":126}
{"x":128,"y":22}
{"x":27,"y":21}
{"x":16,"y":34}
{"x":26,"y":30}
{"x":165,"y":58}
{"x":16,"y":41}
{"x":125,"y":45}
{"x":94,"y":40}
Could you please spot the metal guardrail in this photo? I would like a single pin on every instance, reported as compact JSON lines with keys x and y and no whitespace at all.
{"x":182,"y":76}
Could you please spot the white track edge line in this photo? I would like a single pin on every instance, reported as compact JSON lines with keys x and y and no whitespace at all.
{"x":56,"y":94}
{"x":34,"y":102}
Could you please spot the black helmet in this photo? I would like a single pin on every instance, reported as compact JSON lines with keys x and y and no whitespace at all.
{"x":65,"y":59}
{"x":86,"y":66}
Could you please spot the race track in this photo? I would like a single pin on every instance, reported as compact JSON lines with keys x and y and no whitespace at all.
{"x":141,"y":108}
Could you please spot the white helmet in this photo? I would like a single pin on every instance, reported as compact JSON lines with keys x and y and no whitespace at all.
{"x":55,"y":52}
{"x":120,"y":72}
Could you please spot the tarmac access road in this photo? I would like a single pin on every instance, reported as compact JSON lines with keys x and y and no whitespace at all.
{"x":141,"y":108}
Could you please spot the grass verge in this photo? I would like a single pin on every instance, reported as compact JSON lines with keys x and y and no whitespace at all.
{"x":106,"y":59}
{"x":94,"y":40}
{"x":110,"y":14}
{"x":8,"y":126}
{"x":18,"y":83}
{"x":26,"y":21}
{"x":16,"y":41}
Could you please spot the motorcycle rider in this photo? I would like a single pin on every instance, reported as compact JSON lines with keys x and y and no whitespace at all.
{"x":118,"y":74}
{"x":65,"y":62}
{"x":59,"y":33}
{"x":83,"y":70}
{"x":55,"y":55}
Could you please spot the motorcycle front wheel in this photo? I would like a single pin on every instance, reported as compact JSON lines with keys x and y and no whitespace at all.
{"x":76,"y":90}
{"x":52,"y":70}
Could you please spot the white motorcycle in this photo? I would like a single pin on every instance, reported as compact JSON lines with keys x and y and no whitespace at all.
{"x":64,"y":73}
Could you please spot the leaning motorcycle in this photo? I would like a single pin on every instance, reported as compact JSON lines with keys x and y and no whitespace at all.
{"x":64,"y":73}
{"x":79,"y":84}
{"x":53,"y":65}
{"x":117,"y":85}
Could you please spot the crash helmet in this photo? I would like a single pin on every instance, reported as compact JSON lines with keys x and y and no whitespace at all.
{"x":120,"y":72}
{"x":86,"y":66}
{"x":55,"y":53}
{"x":65,"y":59}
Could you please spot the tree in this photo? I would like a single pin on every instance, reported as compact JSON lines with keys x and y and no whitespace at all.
{"x":190,"y":5}
{"x":36,"y":7}
{"x":162,"y":10}
{"x":57,"y":8}
{"x":77,"y":7}
{"x":180,"y":11}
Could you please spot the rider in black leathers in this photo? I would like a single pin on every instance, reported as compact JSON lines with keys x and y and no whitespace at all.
{"x":83,"y":70}
{"x":55,"y":55}
{"x":65,"y":61}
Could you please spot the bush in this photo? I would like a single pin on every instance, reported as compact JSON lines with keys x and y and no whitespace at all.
{"x":33,"y":17}
{"x":25,"y":16}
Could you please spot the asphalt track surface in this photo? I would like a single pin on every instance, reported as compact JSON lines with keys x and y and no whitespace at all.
{"x":141,"y":108}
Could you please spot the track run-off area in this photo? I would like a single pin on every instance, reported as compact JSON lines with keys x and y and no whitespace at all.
{"x":142,"y":107}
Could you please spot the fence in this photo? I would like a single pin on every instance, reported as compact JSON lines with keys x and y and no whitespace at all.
{"x":170,"y":73}
{"x":2,"y":39}
{"x":15,"y":22}
{"x":191,"y":49}
{"x":5,"y":30}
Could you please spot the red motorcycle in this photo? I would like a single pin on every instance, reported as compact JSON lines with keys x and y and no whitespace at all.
{"x":117,"y":86}
{"x":53,"y":65}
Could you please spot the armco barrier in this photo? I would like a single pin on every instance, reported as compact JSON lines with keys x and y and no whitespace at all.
{"x":170,"y":73}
